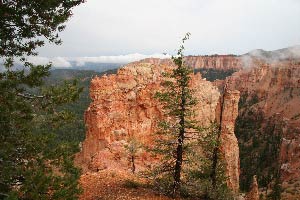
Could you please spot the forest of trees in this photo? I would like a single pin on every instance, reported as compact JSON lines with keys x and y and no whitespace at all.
{"x":259,"y":142}
{"x":213,"y":74}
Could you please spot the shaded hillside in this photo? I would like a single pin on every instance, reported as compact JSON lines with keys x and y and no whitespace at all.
{"x":268,"y":126}
{"x":84,"y":78}
{"x":97,"y":67}
{"x":75,"y":131}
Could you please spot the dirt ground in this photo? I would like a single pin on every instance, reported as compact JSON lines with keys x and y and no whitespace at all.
{"x":115,"y":185}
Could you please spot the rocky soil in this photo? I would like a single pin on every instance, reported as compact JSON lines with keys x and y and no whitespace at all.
{"x":116,"y":185}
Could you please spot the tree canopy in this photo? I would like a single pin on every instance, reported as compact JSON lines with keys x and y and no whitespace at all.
{"x":25,"y":24}
{"x":35,"y":162}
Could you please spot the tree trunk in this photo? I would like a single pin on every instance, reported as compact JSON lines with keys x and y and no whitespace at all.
{"x":179,"y":149}
{"x":133,"y":164}
{"x":178,"y":165}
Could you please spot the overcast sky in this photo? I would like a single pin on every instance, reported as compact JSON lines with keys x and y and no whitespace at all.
{"x":120,"y":27}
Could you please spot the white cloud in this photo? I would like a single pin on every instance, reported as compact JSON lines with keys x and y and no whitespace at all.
{"x":56,"y":61}
{"x":63,"y":62}
{"x":115,"y":59}
{"x":60,"y":62}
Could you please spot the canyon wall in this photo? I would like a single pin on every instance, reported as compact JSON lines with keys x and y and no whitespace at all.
{"x":269,"y":110}
{"x":269,"y":118}
{"x":123,"y":107}
{"x":221,"y":62}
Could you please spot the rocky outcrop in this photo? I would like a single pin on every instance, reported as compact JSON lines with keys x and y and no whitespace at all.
{"x":123,"y":106}
{"x":253,"y":194}
{"x":227,"y":113}
{"x":223,"y":62}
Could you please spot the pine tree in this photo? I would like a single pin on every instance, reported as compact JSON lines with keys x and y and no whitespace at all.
{"x":34,"y":162}
{"x":207,"y":174}
{"x":190,"y":161}
{"x":178,"y":103}
{"x":132,"y":149}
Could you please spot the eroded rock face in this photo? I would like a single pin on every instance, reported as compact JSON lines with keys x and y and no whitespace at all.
{"x":227,"y":113}
{"x":223,"y":62}
{"x":124,"y":106}
{"x":271,"y":91}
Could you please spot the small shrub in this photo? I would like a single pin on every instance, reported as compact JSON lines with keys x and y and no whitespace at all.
{"x":131,"y":184}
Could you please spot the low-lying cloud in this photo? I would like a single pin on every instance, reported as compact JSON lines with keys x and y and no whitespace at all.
{"x":56,"y":62}
{"x":64,"y":62}
{"x":292,"y":53}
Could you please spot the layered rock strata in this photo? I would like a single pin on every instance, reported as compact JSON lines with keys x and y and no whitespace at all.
{"x":276,"y":88}
{"x":222,"y":62}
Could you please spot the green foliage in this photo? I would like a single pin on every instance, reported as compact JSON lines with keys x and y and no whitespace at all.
{"x":259,"y":142}
{"x":34,"y":155}
{"x":276,"y":188}
{"x":213,"y":74}
{"x":171,"y":146}
{"x":24,"y":24}
{"x":131,"y":184}
{"x":200,"y":172}
{"x":186,"y":151}
{"x":132,"y":149}
{"x":35,"y":161}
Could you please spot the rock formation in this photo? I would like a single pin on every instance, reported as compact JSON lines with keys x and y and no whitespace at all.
{"x":253,"y":194}
{"x":227,"y":111}
{"x":223,"y":62}
{"x":124,"y":106}
{"x":270,"y":95}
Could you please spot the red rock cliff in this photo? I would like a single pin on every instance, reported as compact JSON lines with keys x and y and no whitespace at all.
{"x":276,"y":90}
{"x":123,"y":106}
{"x":223,"y":62}
{"x":229,"y":143}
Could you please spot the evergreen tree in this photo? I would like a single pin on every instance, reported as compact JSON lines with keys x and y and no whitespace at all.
{"x":34,"y":162}
{"x":190,"y":161}
{"x":172,"y":146}
{"x":207,"y":173}
{"x":132,"y":149}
